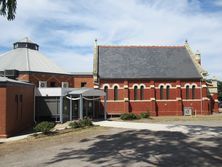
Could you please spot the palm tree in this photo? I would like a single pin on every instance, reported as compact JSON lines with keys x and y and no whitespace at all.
{"x":8,"y":8}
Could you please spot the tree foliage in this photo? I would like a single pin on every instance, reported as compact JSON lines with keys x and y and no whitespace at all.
{"x":219,"y":87}
{"x":8,"y":8}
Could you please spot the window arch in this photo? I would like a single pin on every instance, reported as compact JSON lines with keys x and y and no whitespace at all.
{"x":115,"y":92}
{"x":142,"y":92}
{"x":106,"y":91}
{"x":106,"y":85}
{"x":161,"y":92}
{"x":167,"y":92}
{"x":135,"y":93}
{"x":187,"y":92}
{"x":193,"y":92}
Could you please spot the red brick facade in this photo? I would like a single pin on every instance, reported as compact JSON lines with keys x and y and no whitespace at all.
{"x":50,"y":78}
{"x":179,"y":96}
{"x":74,"y":81}
{"x":80,"y":80}
{"x":16,"y":108}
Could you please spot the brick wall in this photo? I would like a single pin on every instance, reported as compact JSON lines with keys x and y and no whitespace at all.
{"x":56,"y":79}
{"x":80,"y":79}
{"x":2,"y":112}
{"x":18,"y":110}
{"x":74,"y":81}
{"x":152,"y":102}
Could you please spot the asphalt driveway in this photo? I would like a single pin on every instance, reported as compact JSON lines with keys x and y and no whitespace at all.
{"x":120,"y":147}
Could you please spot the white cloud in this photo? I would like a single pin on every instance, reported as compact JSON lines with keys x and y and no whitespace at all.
{"x":218,"y":3}
{"x":59,"y":25}
{"x":74,"y":62}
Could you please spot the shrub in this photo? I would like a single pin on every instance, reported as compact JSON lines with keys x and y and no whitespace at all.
{"x":145,"y":115}
{"x":85,"y":122}
{"x":81,"y":123}
{"x":74,"y":124}
{"x":44,"y":127}
{"x":129,"y":116}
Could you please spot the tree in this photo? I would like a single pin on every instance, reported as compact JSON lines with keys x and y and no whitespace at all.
{"x":8,"y":8}
{"x":219,"y":87}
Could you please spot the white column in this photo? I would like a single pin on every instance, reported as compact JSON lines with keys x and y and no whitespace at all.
{"x":81,"y":107}
{"x":70,"y":108}
{"x":61,"y":109}
{"x":105,"y":114}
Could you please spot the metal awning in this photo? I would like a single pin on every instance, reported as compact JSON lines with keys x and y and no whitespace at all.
{"x":87,"y":92}
{"x":82,"y":93}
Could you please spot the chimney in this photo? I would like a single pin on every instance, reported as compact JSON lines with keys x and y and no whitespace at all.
{"x":197,"y":57}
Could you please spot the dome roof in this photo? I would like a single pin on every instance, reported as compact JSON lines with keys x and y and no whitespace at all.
{"x":26,"y":57}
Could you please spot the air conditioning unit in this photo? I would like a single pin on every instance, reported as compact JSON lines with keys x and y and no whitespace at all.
{"x":65,"y":84}
{"x":187,"y":111}
{"x":42,"y":84}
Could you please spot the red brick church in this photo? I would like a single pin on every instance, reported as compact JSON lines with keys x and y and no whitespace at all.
{"x":163,"y":80}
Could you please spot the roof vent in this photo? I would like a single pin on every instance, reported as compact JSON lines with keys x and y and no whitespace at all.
{"x":26,"y":43}
{"x":12,"y":74}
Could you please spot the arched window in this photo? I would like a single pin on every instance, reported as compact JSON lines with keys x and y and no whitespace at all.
{"x":115,"y":93}
{"x":161,"y":92}
{"x":142,"y":93}
{"x":187,"y":92}
{"x":193,"y":92}
{"x":167,"y":92}
{"x":135,"y":93}
{"x":106,"y":91}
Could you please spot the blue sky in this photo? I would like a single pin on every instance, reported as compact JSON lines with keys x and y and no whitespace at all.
{"x":65,"y":30}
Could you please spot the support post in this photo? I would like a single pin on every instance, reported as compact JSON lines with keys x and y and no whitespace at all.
{"x":81,"y":107}
{"x":61,"y":109}
{"x":105,"y":114}
{"x":70,"y":108}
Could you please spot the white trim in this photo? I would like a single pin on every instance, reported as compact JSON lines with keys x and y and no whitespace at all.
{"x":106,"y":85}
{"x":161,"y":85}
{"x":134,"y":85}
{"x":144,"y":86}
{"x":165,"y":100}
{"x":140,"y":100}
{"x":168,"y":84}
{"x":96,"y":86}
{"x":116,"y":85}
{"x":187,"y":84}
{"x":152,"y":86}
{"x":191,"y":100}
{"x":113,"y":101}
{"x":126,"y":99}
{"x":125,"y":86}
{"x":205,"y":98}
{"x":194,"y":84}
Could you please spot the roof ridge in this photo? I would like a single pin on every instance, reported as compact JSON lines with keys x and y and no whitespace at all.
{"x":142,"y":46}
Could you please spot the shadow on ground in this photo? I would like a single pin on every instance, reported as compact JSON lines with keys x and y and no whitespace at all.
{"x":147,"y":148}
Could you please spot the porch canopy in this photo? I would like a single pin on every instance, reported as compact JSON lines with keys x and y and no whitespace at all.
{"x":87,"y":92}
{"x":83,"y":93}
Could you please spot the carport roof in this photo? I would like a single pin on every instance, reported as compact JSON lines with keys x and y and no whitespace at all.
{"x":87,"y":92}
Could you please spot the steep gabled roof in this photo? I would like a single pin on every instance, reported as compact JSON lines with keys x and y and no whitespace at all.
{"x":28,"y":59}
{"x":146,"y":62}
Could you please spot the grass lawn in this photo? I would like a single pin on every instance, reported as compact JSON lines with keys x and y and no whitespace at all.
{"x":55,"y":137}
{"x":216,"y":117}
